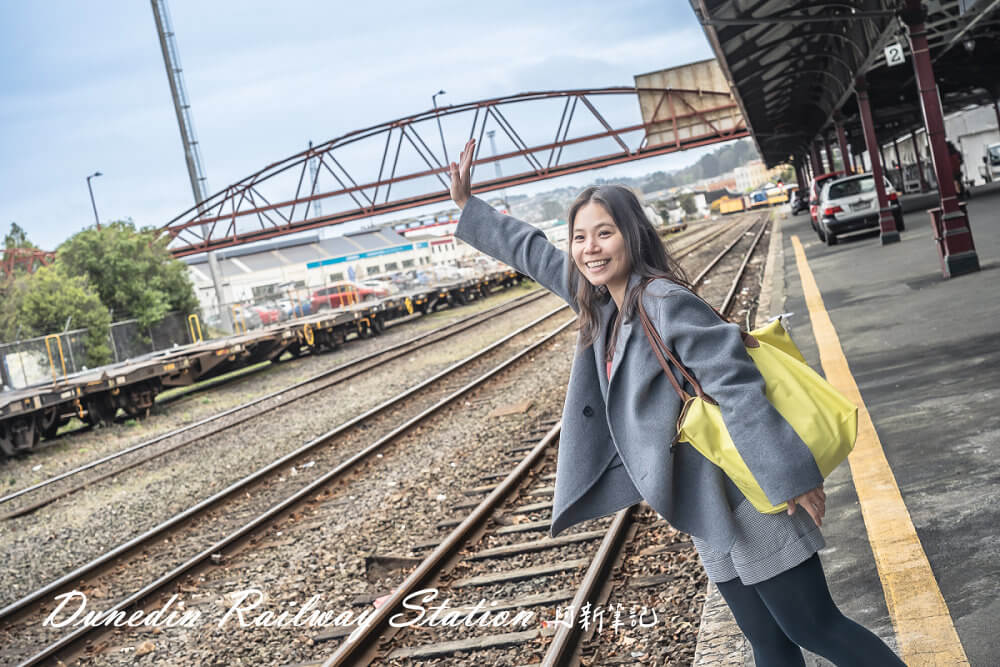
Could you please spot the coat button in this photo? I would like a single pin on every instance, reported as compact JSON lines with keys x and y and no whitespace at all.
{"x":588,"y":411}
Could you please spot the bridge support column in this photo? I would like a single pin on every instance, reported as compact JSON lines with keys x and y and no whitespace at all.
{"x":887,"y":225}
{"x":817,"y":165}
{"x":799,"y":175}
{"x":950,"y":221}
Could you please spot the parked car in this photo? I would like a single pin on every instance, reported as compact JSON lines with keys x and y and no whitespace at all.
{"x":246,"y":316}
{"x":268,"y":314}
{"x":799,"y":202}
{"x":814,"y":191}
{"x":292,"y":309}
{"x":380,"y":284}
{"x":344,"y":293}
{"x":850,"y":204}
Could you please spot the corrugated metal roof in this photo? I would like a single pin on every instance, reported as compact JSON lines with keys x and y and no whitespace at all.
{"x":793,"y":66}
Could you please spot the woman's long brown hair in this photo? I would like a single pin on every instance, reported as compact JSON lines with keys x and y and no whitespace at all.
{"x":643,"y":248}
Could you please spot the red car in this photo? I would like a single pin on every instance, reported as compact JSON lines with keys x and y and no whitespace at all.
{"x":345,"y":293}
{"x":267,"y":314}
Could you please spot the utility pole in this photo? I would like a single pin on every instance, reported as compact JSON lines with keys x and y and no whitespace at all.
{"x":192,"y":155}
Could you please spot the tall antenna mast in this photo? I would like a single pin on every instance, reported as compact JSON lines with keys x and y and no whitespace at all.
{"x":181,"y":105}
{"x":199,"y":188}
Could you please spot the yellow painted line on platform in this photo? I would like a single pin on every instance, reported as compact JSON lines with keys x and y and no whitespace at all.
{"x":924,"y":629}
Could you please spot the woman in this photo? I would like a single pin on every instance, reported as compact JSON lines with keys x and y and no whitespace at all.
{"x":620,"y":413}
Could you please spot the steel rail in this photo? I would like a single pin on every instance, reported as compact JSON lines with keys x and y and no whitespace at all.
{"x":718,"y":258}
{"x":727,"y":302}
{"x":705,"y":240}
{"x":363,"y":639}
{"x":461,"y":325}
{"x":296,"y":498}
{"x":261,"y":473}
{"x":565,"y":645}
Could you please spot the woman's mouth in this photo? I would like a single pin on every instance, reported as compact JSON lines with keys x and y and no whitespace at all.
{"x":596,"y":265}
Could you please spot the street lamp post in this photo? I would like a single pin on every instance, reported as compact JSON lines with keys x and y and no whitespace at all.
{"x":493,"y":145}
{"x":91,"y":189}
{"x":434,"y":102}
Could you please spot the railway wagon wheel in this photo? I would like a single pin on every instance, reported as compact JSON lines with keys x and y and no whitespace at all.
{"x":378,"y":324}
{"x":49,"y":422}
{"x":461,"y":297}
{"x":22,"y":434}
{"x":139,"y":399}
{"x":365,"y":328}
{"x":101,"y":410}
{"x":6,"y":442}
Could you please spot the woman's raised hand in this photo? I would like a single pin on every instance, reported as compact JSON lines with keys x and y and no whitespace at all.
{"x":813,"y":502}
{"x":461,"y":175}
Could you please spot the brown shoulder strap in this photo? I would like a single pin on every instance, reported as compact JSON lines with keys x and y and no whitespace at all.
{"x":663,"y":354}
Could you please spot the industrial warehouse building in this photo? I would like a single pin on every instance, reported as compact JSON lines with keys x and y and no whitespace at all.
{"x":274,"y":269}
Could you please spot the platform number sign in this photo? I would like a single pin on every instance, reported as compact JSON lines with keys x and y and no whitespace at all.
{"x":894,"y":54}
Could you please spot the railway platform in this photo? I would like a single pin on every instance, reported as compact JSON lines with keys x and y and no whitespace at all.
{"x":912,"y":550}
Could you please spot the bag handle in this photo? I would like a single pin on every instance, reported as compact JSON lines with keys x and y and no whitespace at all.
{"x":663,"y":354}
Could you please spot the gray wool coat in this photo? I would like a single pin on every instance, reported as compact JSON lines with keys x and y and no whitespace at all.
{"x":614,"y":449}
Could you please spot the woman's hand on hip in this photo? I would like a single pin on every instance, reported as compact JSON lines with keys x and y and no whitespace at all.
{"x":813,"y":502}
{"x":461,"y":175}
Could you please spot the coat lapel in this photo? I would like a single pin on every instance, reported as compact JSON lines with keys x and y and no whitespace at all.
{"x":607,"y":312}
{"x":625,"y":333}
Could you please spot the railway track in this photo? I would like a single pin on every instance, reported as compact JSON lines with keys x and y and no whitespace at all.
{"x":18,"y":628}
{"x":195,"y":432}
{"x":246,"y":505}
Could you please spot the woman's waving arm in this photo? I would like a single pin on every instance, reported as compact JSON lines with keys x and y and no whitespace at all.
{"x":511,"y":241}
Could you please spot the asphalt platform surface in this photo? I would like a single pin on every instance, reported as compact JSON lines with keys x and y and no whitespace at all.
{"x":924,"y":352}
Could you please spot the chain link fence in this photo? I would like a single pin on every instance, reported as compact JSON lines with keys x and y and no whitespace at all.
{"x":47,"y":358}
{"x":42,"y":359}
{"x":129,"y":340}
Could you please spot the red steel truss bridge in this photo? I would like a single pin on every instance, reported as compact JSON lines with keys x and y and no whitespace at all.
{"x":27,"y":259}
{"x":403,"y":163}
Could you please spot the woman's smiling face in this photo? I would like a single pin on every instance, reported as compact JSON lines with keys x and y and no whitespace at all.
{"x":598,"y":248}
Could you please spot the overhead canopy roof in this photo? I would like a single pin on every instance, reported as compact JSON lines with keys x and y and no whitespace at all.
{"x":793,"y":65}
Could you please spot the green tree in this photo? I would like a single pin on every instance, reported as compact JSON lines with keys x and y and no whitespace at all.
{"x":132,"y":272}
{"x":10,"y":307}
{"x":686,"y":201}
{"x":49,"y":297}
{"x":16,"y":238}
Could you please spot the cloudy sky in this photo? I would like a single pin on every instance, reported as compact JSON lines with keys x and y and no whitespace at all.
{"x":83,"y":86}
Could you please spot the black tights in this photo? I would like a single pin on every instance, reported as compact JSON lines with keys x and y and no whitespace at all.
{"x":795,"y":609}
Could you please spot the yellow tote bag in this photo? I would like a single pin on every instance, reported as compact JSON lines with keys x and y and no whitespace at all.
{"x":825,"y":420}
